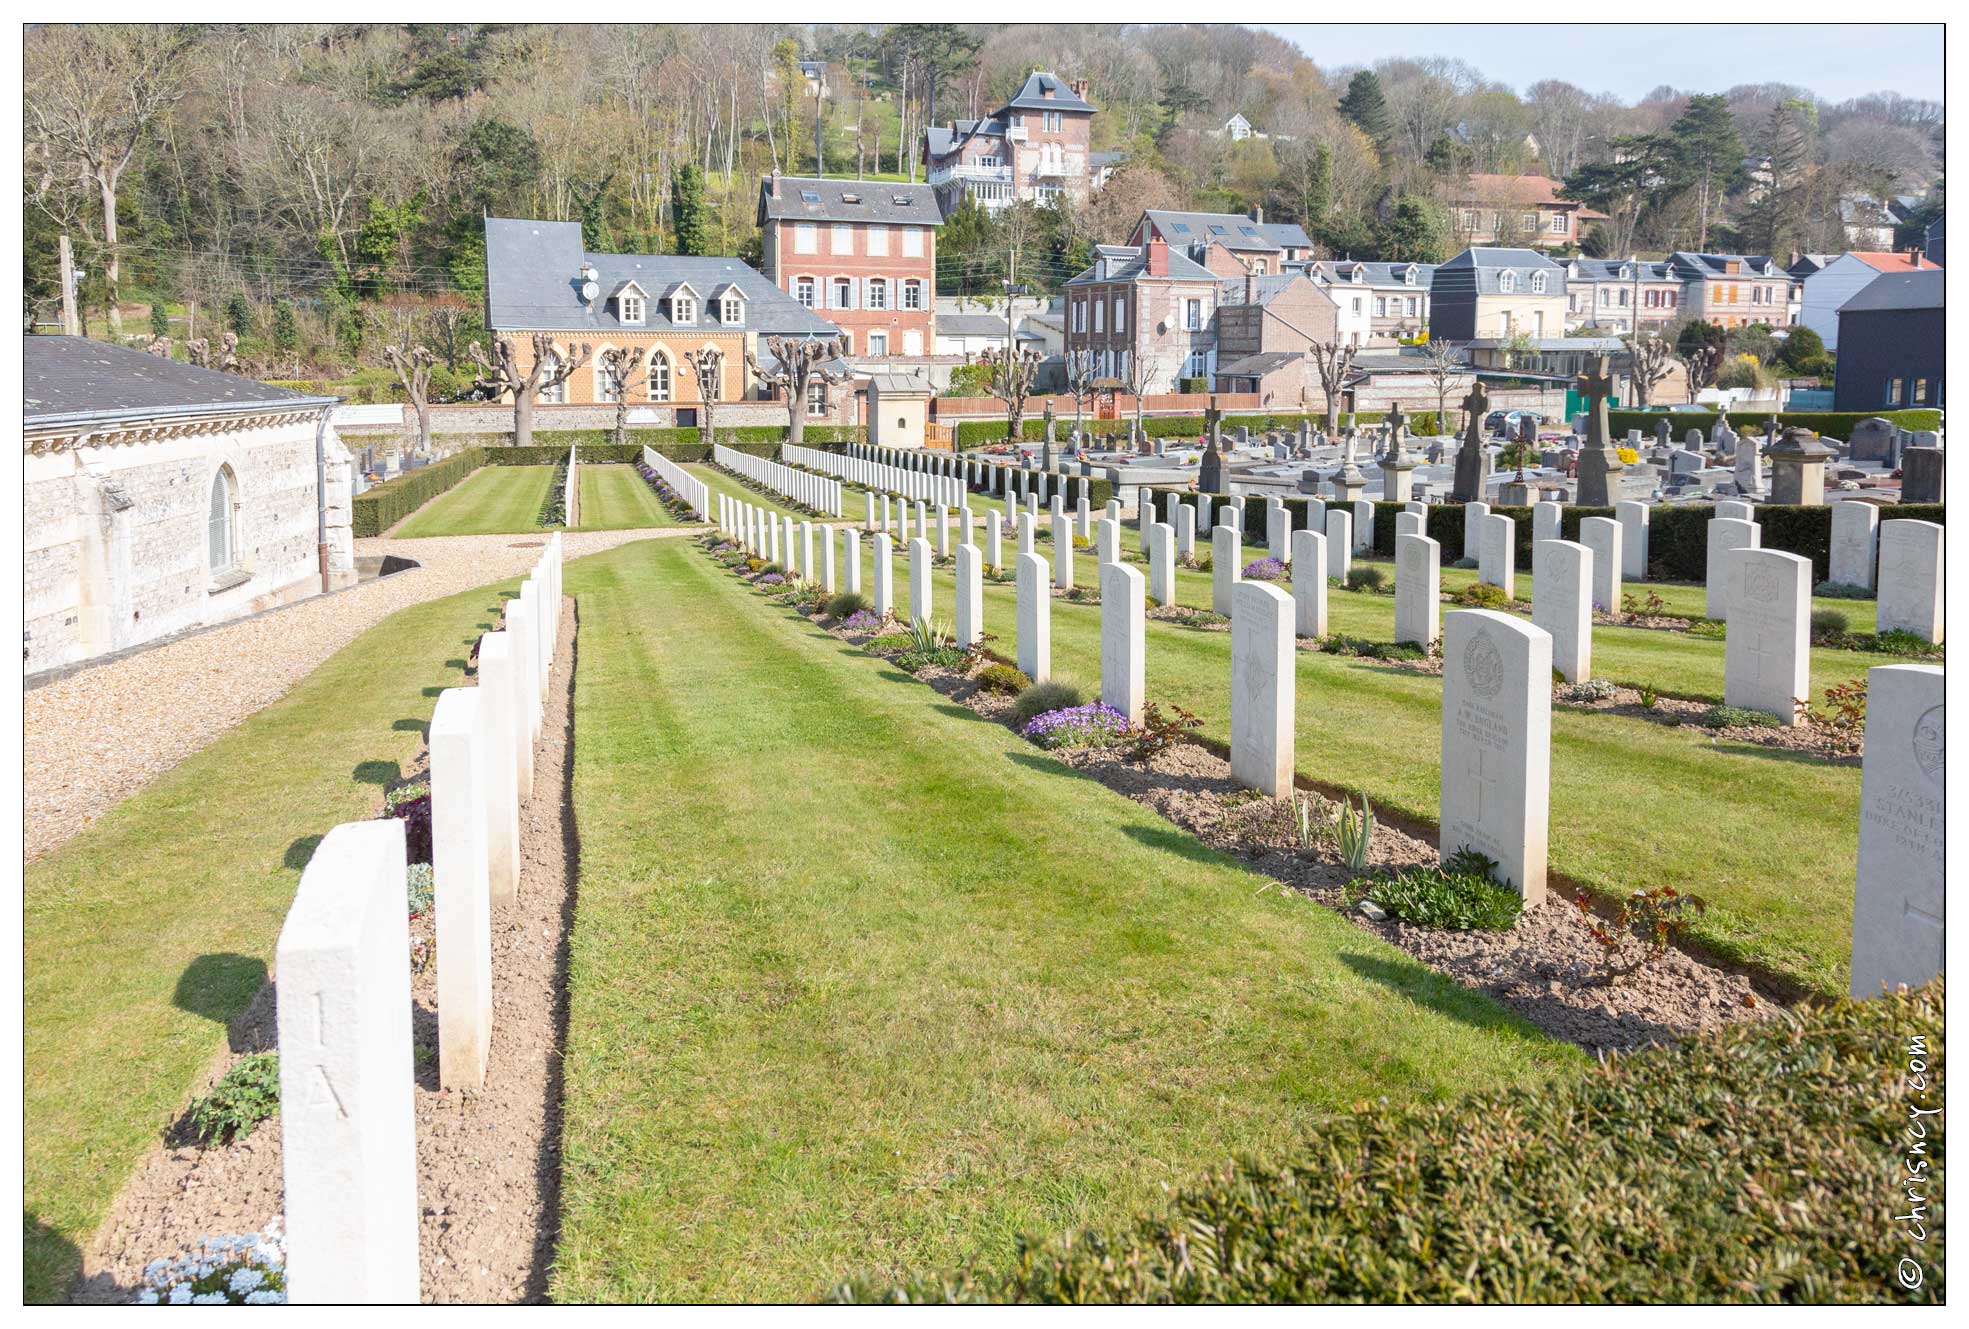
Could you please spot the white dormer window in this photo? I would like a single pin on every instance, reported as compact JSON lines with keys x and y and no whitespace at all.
{"x":1538,"y":283}
{"x":731,"y":309}
{"x":1408,"y":277}
{"x":631,"y":308}
{"x":683,"y":309}
{"x":1507,"y":281}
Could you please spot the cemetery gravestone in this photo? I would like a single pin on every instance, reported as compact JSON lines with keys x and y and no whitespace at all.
{"x":1062,"y":552}
{"x":1035,"y":605}
{"x":1725,"y":534}
{"x":1497,"y":744}
{"x":1855,"y":536}
{"x":499,"y":702}
{"x":1309,"y":559}
{"x":1339,"y":543}
{"x":1497,"y":557}
{"x":1898,"y":895}
{"x":851,"y":561}
{"x":884,"y":589}
{"x":1223,"y":569}
{"x":1473,"y":529}
{"x":1418,"y":589}
{"x":1122,"y":638}
{"x":1602,"y":535}
{"x":1765,"y":650}
{"x":1633,"y":519}
{"x":919,"y":580}
{"x":1262,"y":688}
{"x":463,"y":896}
{"x":1545,"y":518}
{"x":969,"y":624}
{"x":1910,"y":594}
{"x":1561,"y":575}
{"x":1162,"y":565}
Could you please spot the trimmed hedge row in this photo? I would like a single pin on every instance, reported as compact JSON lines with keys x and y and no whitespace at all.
{"x":1835,"y":424}
{"x":1762,"y":1163}
{"x":382,"y":506}
{"x":1678,"y":537}
{"x":977,"y":433}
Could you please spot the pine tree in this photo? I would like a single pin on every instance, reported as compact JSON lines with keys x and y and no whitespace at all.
{"x":1368,"y":109}
{"x":160,"y":318}
{"x":687,"y":209}
{"x":239,"y":314}
{"x":1708,"y":156}
{"x":1413,"y":233}
{"x":285,"y":334}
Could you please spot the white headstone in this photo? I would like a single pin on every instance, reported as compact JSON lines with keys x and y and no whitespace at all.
{"x":994,"y":541}
{"x":1910,"y":594}
{"x":1278,"y":532}
{"x":499,"y":706}
{"x":885,"y":575}
{"x":1602,"y":535}
{"x":1028,"y":532}
{"x":1363,"y":526}
{"x":1766,"y":646}
{"x":1339,"y":543}
{"x":1736,"y":511}
{"x":851,"y":561}
{"x":1185,"y":531}
{"x":1263,"y":688}
{"x":526,"y":697}
{"x":348,"y":1120}
{"x":1855,"y":538}
{"x":1122,"y":638}
{"x":1898,"y":897}
{"x":1035,"y":601}
{"x":1062,"y":551}
{"x":463,"y":896}
{"x":827,"y":560}
{"x":1561,"y":587}
{"x":1473,"y":529}
{"x":1162,"y":564}
{"x":1724,"y":534}
{"x":1407,"y":523}
{"x":943,"y":531}
{"x":1497,"y":556}
{"x":970,"y":595}
{"x":1309,"y":583}
{"x":1497,"y":744}
{"x":1545,"y":521}
{"x":920,"y":606}
{"x":1418,"y":589}
{"x":1224,"y":568}
{"x":1107,"y":541}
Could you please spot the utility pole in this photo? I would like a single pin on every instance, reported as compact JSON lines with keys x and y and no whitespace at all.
{"x":71,"y":323}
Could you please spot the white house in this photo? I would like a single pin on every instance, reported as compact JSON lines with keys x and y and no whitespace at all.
{"x":159,"y":497}
{"x":1839,"y":280}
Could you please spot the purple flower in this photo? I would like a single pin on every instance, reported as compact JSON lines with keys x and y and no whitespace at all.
{"x":1263,"y":569}
{"x":772,"y":579}
{"x":1093,"y":725}
{"x":863,"y":620}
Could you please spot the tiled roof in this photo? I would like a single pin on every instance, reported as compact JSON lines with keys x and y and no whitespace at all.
{"x":1515,"y":189}
{"x":804,"y":198}
{"x":1873,"y":258}
{"x":73,"y":378}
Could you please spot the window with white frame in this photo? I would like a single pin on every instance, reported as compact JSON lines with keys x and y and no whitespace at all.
{"x":1120,"y":314}
{"x":844,"y":237}
{"x":912,"y":295}
{"x":1558,"y":224}
{"x":878,"y":343}
{"x":732,"y":309}
{"x":1507,"y":281}
{"x":803,"y":291}
{"x":554,"y":393}
{"x":843,"y":293}
{"x":878,"y":293}
{"x":683,"y":309}
{"x":878,"y":240}
{"x":218,"y":523}
{"x":817,"y":398}
{"x":605,"y":382}
{"x":912,"y":242}
{"x":630,"y":307}
{"x":1100,"y":312}
{"x":1193,"y":317}
{"x":1538,"y":283}
{"x":659,"y":376}
{"x":1080,"y":315}
{"x":1380,"y":306}
{"x":805,"y":241}
{"x":1197,"y":364}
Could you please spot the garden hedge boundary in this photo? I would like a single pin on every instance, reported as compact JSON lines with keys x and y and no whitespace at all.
{"x":1834,"y":424}
{"x":1678,"y":536}
{"x":978,"y":433}
{"x":1754,"y":1164}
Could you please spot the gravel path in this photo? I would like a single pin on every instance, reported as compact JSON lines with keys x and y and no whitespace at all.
{"x":96,"y":737}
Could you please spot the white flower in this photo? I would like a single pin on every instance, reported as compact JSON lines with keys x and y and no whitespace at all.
{"x":210,"y":1299}
{"x":181,"y":1295}
{"x":244,"y":1279}
{"x":147,"y":1297}
{"x":266,"y":1297}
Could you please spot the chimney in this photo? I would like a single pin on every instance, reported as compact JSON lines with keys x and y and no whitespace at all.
{"x":1158,"y":258}
{"x":1258,"y":215}
{"x":1251,"y":288}
{"x":772,"y":185}
{"x":1079,"y":88}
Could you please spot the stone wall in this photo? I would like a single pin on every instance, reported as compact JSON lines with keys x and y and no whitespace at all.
{"x":491,"y":423}
{"x":116,"y":537}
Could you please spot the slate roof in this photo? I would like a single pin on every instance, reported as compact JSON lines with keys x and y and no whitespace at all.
{"x":1258,"y":290}
{"x":1685,"y":264}
{"x":1130,"y":263}
{"x":1032,"y":96}
{"x":1480,"y":266}
{"x":533,"y":283}
{"x":1259,"y":365}
{"x":1232,"y":230}
{"x":1891,"y":290}
{"x":1389,"y":275}
{"x":1609,"y":269}
{"x":970,"y":325}
{"x":874,"y":201}
{"x":74,"y":379}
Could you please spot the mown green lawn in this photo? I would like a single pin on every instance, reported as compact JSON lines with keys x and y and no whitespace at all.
{"x":617,"y":498}
{"x":493,"y":500}
{"x":149,"y":931}
{"x":1768,"y":837}
{"x":862,"y":983}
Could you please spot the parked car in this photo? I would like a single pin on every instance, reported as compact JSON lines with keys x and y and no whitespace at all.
{"x":1507,"y":424}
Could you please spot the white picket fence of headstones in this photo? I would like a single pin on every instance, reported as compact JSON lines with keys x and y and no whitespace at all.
{"x":813,"y":491}
{"x":689,"y":488}
{"x":348,"y":1120}
{"x":571,"y":491}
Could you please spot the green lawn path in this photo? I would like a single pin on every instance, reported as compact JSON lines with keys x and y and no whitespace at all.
{"x":617,"y":498}
{"x":493,"y":500}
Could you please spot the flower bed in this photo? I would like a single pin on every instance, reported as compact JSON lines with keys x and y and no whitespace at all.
{"x":1093,"y":725}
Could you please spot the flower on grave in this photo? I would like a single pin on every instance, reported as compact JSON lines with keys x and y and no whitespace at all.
{"x":1263,"y":569}
{"x":1093,"y":725}
{"x":863,"y":620}
{"x":772,"y":579}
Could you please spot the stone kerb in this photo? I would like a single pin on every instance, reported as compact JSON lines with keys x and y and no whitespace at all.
{"x":348,"y":1117}
{"x":1497,"y":744}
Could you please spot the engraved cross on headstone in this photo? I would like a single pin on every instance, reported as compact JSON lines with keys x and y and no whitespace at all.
{"x":1484,"y":782}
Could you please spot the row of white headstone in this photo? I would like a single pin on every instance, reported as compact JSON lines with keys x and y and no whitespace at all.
{"x":571,"y":490}
{"x":347,"y":1113}
{"x":811,"y":491}
{"x":688,"y":487}
{"x":907,"y":482}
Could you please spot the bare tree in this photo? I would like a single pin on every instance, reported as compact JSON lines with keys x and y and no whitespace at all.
{"x":1080,"y":383}
{"x":1651,"y":359}
{"x":1012,"y":374}
{"x":1333,"y":361}
{"x":96,"y":91}
{"x":800,"y":363}
{"x":448,"y":317}
{"x":1701,"y":364}
{"x":1442,"y":361}
{"x":708,"y":365}
{"x":413,"y":370}
{"x":500,"y":373}
{"x":624,"y":371}
{"x":198,"y":351}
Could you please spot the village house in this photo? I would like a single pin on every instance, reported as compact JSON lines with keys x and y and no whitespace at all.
{"x":1265,"y":325}
{"x":1515,"y":211}
{"x":539,"y":279}
{"x":1382,"y":304}
{"x":1227,"y":243}
{"x":159,"y":497}
{"x":1621,"y":294}
{"x":1732,"y":290}
{"x":1830,"y":280}
{"x":861,"y":253}
{"x":1034,"y":148}
{"x":1497,"y":293}
{"x":1895,"y":335}
{"x":1146,"y":314}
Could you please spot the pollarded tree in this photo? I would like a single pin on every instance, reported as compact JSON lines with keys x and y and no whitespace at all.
{"x":800,"y":363}
{"x":1080,"y":377}
{"x":623,"y":372}
{"x":1332,"y":361}
{"x":1012,"y":374}
{"x":413,"y":370}
{"x":708,"y":367}
{"x":1651,"y":359}
{"x":500,"y":373}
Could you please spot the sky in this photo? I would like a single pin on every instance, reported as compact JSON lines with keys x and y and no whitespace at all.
{"x":1834,"y":60}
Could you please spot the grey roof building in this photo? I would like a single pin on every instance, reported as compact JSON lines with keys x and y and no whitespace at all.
{"x":805,"y":198}
{"x":73,"y":381}
{"x":537,"y":275}
{"x":1241,"y":234}
{"x":1489,"y":292}
{"x":1893,"y":343}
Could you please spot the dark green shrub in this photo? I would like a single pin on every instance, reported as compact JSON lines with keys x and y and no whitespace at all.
{"x":1483,"y":595}
{"x":1461,"y":895}
{"x":1367,"y":579}
{"x":1654,"y":1178}
{"x":248,"y":1094}
{"x":1052,"y":695}
{"x":1895,"y":643}
{"x":1004,"y":678}
{"x":1828,"y":621}
{"x":382,"y":506}
{"x":1732,"y":717}
{"x":846,"y":603}
{"x":1840,"y":590}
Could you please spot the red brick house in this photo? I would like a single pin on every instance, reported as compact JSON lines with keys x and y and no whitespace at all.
{"x":1034,"y":148}
{"x":1229,"y":244}
{"x":862,"y":254}
{"x":1145,"y":313}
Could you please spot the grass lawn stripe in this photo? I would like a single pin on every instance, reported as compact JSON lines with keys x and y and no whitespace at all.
{"x":861,"y":982}
{"x":493,"y":500}
{"x":617,"y":498}
{"x":155,"y":926}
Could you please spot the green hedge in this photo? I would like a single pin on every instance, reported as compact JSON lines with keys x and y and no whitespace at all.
{"x":1678,"y":536}
{"x":1763,"y":1163}
{"x":382,"y":506}
{"x":1833,"y":424}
